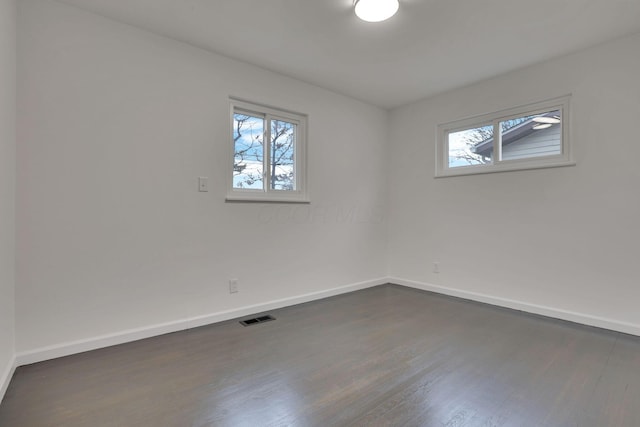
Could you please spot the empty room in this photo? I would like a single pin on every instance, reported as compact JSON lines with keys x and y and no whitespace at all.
{"x":319,"y":213}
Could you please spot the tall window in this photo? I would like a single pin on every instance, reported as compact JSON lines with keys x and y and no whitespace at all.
{"x":268,"y":154}
{"x":528,"y":137}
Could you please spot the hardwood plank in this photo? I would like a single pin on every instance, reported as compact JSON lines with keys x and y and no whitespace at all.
{"x":385,"y":356}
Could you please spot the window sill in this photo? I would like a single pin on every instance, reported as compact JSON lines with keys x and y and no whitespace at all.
{"x":504,"y":168}
{"x":254,"y":198}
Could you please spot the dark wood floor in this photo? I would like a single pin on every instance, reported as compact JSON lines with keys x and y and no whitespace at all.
{"x":386,"y":356}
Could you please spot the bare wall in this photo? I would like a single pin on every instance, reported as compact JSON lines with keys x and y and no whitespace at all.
{"x":115,"y":126}
{"x":566,"y":238}
{"x":7,"y":185}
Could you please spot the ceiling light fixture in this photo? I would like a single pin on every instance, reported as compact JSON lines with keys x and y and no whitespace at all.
{"x":546,"y":119}
{"x":376,"y":10}
{"x":542,"y":126}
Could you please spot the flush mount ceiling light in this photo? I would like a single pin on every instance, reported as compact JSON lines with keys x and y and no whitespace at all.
{"x":376,"y":10}
{"x":545,"y":119}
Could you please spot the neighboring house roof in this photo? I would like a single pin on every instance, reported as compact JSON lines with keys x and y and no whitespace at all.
{"x":512,"y":135}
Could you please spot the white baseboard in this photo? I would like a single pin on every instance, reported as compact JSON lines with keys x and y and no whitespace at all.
{"x":66,"y":349}
{"x":585,"y":319}
{"x":5,"y":377}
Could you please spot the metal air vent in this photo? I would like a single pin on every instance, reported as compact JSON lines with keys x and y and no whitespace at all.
{"x":256,"y":320}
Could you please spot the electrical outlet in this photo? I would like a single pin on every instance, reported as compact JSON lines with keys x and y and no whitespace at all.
{"x":233,"y":286}
{"x":436,"y":267}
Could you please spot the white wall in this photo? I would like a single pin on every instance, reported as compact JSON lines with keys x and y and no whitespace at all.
{"x":115,"y":126}
{"x":7,"y":185}
{"x":566,"y":239}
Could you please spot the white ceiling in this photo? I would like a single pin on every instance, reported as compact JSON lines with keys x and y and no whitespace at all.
{"x":428,"y":47}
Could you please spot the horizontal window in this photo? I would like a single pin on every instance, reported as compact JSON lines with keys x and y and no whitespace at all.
{"x":268,"y":162}
{"x":528,"y":137}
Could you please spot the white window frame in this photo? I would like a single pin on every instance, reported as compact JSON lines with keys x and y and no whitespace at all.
{"x":299,"y":195}
{"x":563,"y":159}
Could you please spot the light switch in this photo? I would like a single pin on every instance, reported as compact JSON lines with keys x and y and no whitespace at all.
{"x":203,"y":183}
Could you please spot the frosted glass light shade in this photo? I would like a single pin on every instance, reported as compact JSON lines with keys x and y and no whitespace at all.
{"x":376,"y":10}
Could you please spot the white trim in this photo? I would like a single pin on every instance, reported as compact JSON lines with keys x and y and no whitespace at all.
{"x":556,"y":313}
{"x":565,"y":158}
{"x":502,"y":168}
{"x":262,"y":197}
{"x":300,"y":194}
{"x":7,"y":374}
{"x":79,"y":346}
